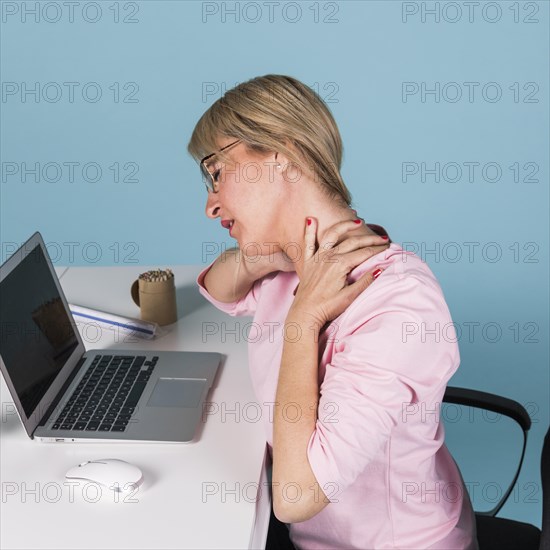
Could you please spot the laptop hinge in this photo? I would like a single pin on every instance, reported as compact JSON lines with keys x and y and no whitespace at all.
{"x":61,"y":392}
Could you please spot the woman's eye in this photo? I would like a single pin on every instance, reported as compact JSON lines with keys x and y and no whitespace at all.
{"x":216,"y":175}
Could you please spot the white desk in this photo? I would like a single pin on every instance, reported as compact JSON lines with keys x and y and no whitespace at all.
{"x":198,"y":495}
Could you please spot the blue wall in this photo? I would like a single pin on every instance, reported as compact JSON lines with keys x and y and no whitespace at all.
{"x":464,"y":92}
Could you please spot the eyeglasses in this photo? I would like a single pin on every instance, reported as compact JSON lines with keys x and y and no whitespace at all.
{"x":211,"y":178}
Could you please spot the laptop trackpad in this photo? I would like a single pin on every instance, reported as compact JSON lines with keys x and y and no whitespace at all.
{"x":177,"y":392}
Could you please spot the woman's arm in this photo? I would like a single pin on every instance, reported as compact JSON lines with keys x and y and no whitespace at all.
{"x":296,"y":493}
{"x":232,"y":275}
{"x":322,"y":296}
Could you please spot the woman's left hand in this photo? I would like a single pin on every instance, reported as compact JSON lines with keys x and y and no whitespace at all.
{"x":324,"y":292}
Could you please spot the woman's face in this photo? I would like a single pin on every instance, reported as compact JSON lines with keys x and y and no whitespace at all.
{"x":249,"y":195}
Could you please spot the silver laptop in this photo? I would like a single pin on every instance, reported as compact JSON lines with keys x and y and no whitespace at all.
{"x":64,"y":393}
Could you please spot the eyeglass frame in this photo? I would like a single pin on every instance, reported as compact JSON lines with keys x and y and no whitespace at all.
{"x":210,"y":178}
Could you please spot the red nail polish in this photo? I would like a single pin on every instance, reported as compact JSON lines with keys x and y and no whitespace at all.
{"x":309,"y":221}
{"x":385,"y":237}
{"x":376,"y":273}
{"x":356,"y":221}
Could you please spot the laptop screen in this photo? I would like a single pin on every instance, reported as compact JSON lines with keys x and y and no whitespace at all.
{"x":37,"y":336}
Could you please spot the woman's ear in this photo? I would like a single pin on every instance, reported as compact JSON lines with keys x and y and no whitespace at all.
{"x":282,"y":164}
{"x":290,"y":171}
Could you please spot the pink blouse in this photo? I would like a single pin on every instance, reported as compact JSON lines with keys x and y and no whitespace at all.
{"x":378,"y":448}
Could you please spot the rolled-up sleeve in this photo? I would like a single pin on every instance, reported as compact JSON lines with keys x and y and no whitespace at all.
{"x":245,"y":306}
{"x":385,"y":362}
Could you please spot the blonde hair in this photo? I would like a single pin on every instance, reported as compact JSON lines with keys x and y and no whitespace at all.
{"x":277,"y":113}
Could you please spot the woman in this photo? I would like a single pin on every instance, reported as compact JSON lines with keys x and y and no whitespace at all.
{"x":344,"y":350}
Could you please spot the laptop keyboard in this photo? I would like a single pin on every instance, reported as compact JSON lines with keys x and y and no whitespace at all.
{"x":107,"y":395}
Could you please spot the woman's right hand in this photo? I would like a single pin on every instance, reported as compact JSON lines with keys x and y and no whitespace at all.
{"x":260,"y":265}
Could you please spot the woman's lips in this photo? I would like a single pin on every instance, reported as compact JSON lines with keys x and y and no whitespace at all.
{"x":227,"y":224}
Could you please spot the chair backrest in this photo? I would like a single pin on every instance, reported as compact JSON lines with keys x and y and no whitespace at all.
{"x":545,"y":476}
{"x":516,"y":411}
{"x":500,"y":405}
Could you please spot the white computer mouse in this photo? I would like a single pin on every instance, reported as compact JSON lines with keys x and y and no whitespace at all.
{"x":113,"y":473}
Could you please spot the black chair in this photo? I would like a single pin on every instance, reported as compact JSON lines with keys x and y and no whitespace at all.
{"x":494,"y":533}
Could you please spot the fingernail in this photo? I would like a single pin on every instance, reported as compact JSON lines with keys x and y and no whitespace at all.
{"x":376,"y":273}
{"x":385,"y":237}
{"x":356,"y":221}
{"x":309,"y":221}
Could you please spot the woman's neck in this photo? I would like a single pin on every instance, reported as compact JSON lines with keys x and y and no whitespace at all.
{"x":293,"y":243}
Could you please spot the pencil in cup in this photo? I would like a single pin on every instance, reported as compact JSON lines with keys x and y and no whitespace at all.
{"x":155,"y":293}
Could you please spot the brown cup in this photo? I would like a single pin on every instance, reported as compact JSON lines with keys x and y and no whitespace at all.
{"x":156,"y":300}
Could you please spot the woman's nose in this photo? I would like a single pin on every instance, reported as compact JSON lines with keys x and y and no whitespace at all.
{"x":212,"y":205}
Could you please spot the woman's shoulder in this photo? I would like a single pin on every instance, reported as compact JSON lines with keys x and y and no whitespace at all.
{"x":406,"y":284}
